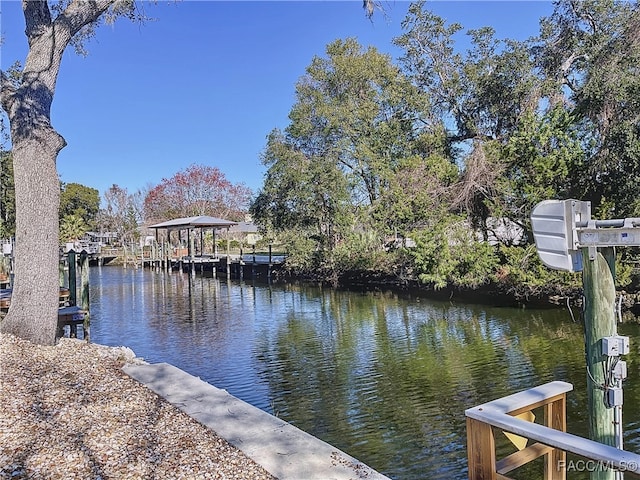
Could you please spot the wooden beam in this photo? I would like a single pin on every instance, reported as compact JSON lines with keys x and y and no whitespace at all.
{"x":522,"y":457}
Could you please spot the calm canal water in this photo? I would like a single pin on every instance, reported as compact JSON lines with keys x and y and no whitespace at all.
{"x":382,"y":376}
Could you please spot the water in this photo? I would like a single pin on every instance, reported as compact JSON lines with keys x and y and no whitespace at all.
{"x":382,"y":376}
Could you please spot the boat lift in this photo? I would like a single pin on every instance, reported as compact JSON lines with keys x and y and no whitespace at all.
{"x":563,"y":230}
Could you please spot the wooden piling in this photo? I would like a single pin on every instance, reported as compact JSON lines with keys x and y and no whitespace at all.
{"x":228,"y":255}
{"x":84,"y":292}
{"x":192,"y":267}
{"x":73,"y":285}
{"x":599,"y":321}
{"x":253,"y":263}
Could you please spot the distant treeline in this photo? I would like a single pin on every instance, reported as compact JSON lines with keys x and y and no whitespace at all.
{"x":427,"y":170}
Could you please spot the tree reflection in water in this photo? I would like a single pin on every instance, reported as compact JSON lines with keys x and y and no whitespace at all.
{"x":382,"y":376}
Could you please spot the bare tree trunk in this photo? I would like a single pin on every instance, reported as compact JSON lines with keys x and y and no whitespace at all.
{"x":34,"y":301}
{"x":33,"y":312}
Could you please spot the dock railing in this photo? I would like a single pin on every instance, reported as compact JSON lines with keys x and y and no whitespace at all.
{"x":551,"y":439}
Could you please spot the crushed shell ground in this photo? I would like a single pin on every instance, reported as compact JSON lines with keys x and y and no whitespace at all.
{"x":69,"y":412}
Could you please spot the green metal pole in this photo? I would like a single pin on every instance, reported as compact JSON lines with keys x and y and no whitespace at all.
{"x":599,"y":322}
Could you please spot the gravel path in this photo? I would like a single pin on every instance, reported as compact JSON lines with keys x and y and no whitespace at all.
{"x":69,"y":412}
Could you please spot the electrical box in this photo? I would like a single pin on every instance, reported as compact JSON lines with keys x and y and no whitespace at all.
{"x":613,"y":397}
{"x":615,"y":346}
{"x":620,"y":370}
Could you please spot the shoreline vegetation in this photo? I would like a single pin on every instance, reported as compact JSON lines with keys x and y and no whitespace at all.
{"x":545,"y":294}
{"x":502,"y":276}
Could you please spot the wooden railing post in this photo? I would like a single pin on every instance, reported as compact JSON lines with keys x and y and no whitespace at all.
{"x":481,"y":451}
{"x":556,"y":418}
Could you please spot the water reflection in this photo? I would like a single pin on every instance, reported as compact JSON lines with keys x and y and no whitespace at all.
{"x":384,"y":377}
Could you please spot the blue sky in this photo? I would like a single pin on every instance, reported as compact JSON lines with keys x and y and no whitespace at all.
{"x":206,"y":81}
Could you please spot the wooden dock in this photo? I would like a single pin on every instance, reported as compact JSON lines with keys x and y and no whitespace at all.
{"x":238,"y":264}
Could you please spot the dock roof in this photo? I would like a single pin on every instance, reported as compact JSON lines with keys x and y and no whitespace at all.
{"x":201,"y":221}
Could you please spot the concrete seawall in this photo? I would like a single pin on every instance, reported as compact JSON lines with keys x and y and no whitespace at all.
{"x":283,"y":450}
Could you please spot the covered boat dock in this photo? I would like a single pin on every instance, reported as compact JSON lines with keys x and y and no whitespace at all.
{"x":195,"y":227}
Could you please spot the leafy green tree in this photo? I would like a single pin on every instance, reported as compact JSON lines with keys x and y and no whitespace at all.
{"x":448,"y":253}
{"x":357,"y":110}
{"x":304,"y":193}
{"x":354,"y":124}
{"x":589,"y":54}
{"x":522,"y":275}
{"x":418,"y":192}
{"x":79,"y":201}
{"x":72,"y":228}
{"x":479,"y":95}
{"x":477,"y":99}
{"x":541,"y":161}
{"x":7,"y":196}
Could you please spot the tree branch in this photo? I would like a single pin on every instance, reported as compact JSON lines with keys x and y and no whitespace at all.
{"x":7,"y":92}
{"x":80,"y":13}
{"x":37,"y":17}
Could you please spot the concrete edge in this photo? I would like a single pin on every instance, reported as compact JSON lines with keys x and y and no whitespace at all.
{"x":282,"y":449}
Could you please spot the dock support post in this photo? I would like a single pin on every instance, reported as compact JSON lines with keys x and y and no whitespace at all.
{"x":599,"y":321}
{"x":228,"y":255}
{"x":73,"y":286}
{"x":61,"y":269}
{"x":253,"y":264}
{"x":192,"y":265}
{"x":215,"y":253}
{"x":270,"y":262}
{"x":84,"y":292}
{"x":167,"y":255}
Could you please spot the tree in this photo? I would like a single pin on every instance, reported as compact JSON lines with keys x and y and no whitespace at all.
{"x":72,"y":228}
{"x":354,"y":123}
{"x":356,"y":109}
{"x":302,"y":192}
{"x":121,"y":214}
{"x":541,"y":158}
{"x":197,"y":190}
{"x":478,"y":98}
{"x":589,"y":53}
{"x":26,"y":97}
{"x":7,"y":196}
{"x":80,"y":201}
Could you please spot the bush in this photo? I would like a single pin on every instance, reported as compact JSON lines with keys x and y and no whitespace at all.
{"x":448,"y":253}
{"x":522,"y":274}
